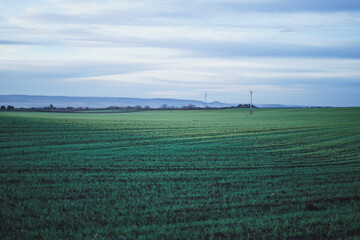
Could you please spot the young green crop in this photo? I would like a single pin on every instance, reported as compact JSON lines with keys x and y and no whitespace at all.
{"x":199,"y":174}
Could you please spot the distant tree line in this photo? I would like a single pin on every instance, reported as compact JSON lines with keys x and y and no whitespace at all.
{"x":7,"y":108}
{"x":51,"y":107}
{"x":191,"y":106}
{"x":245,"y":106}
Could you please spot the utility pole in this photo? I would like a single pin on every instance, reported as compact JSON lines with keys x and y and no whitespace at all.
{"x":251,"y":92}
{"x":205,"y":100}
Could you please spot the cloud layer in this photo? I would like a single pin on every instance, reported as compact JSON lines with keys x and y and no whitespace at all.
{"x":287,"y":51}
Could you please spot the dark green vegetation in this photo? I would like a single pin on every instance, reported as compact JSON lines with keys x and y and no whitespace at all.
{"x":218,"y":174}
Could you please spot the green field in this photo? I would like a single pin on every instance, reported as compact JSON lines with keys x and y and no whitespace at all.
{"x":201,"y":174}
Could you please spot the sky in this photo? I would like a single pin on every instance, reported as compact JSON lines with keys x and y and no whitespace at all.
{"x":299,"y":52}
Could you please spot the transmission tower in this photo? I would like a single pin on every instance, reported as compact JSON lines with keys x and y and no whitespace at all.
{"x":205,"y":100}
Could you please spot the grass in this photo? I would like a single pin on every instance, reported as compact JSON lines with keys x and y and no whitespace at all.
{"x":209,"y":174}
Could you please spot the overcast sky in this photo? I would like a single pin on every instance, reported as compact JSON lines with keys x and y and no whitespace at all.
{"x":304,"y":52}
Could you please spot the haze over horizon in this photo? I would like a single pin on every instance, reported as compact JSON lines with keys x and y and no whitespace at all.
{"x":287,"y":51}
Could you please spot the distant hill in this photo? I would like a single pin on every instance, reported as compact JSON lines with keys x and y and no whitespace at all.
{"x":279,"y":106}
{"x":28,"y":101}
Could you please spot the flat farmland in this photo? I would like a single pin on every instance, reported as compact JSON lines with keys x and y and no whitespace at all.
{"x":174,"y":174}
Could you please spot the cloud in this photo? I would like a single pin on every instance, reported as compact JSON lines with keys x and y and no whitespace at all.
{"x":176,"y":93}
{"x":217,"y":73}
{"x":10,"y":42}
{"x":267,"y":34}
{"x":292,"y":5}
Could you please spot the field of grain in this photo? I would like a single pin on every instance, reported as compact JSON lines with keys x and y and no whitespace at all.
{"x":200,"y":174}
